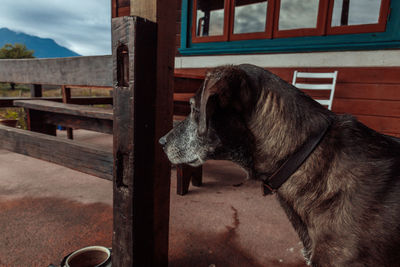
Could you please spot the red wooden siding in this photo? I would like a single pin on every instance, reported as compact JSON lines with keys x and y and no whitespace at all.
{"x":120,"y":8}
{"x":372,"y":94}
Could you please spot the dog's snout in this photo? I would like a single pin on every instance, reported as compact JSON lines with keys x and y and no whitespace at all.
{"x":163,"y":141}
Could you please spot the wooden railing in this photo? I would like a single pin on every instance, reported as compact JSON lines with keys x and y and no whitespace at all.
{"x":44,"y":113}
{"x":93,"y":71}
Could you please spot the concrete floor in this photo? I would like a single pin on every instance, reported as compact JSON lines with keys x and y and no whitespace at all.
{"x":47,"y":211}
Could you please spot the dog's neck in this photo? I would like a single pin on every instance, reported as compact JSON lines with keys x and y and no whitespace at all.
{"x":280,"y":127}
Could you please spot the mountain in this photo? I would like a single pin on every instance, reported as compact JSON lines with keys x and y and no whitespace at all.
{"x":43,"y":47}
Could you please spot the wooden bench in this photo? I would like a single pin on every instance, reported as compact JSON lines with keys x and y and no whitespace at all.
{"x":43,"y":116}
{"x":50,"y":114}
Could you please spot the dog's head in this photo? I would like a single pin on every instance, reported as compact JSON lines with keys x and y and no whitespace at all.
{"x":216,"y":127}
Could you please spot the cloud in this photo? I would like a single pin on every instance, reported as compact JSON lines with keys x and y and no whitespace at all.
{"x":83,"y":26}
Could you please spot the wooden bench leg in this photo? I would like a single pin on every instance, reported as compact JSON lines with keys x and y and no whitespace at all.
{"x":197,"y":176}
{"x":70,"y":134}
{"x":66,"y":97}
{"x":184,"y":174}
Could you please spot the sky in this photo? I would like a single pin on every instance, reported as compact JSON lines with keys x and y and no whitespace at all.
{"x":83,"y":26}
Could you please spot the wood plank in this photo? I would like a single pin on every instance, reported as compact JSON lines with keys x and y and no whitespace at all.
{"x":380,"y":75}
{"x":181,"y":108}
{"x":78,"y":122}
{"x":144,"y":9}
{"x":71,"y":109}
{"x":368,"y":91}
{"x":186,"y":85}
{"x":96,"y":100}
{"x":381,"y":124}
{"x":91,"y":100}
{"x":367,"y":107}
{"x":90,"y":71}
{"x":194,"y":73}
{"x":84,"y":158}
{"x":183,"y":97}
{"x":383,"y":75}
{"x":314,"y":86}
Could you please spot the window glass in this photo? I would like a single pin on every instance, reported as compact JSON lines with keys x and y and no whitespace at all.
{"x":250,"y":16}
{"x":210,"y":17}
{"x":355,"y":12}
{"x":298,"y":14}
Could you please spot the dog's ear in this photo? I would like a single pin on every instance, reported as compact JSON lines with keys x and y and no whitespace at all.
{"x":230,"y":85}
{"x":209,"y":88}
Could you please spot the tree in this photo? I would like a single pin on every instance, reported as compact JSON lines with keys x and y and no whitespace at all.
{"x":15,"y":51}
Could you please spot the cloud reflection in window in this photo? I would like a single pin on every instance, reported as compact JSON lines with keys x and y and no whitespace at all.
{"x":298,"y":14}
{"x":250,"y":17}
{"x":357,"y":12}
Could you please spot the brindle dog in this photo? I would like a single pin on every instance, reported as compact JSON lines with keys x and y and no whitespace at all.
{"x":343,"y":201}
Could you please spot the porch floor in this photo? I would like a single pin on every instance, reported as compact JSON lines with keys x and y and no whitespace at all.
{"x":48,"y":211}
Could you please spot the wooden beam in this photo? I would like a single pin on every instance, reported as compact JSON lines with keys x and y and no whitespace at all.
{"x":142,"y":114}
{"x":96,"y":100}
{"x":84,"y":158}
{"x":68,"y":115}
{"x":71,"y":109}
{"x":88,"y":71}
{"x":78,"y":122}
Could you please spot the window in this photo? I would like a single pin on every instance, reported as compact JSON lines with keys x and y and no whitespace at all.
{"x":251,"y":19}
{"x":209,"y":21}
{"x":230,"y":20}
{"x":359,"y":16}
{"x":299,"y":18}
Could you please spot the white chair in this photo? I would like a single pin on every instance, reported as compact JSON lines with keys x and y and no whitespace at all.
{"x":313,"y":86}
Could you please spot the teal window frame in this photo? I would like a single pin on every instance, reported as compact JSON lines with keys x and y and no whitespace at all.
{"x":390,"y":39}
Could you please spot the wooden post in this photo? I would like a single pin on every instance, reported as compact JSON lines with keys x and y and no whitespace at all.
{"x":143,"y":63}
{"x":35,"y":122}
{"x":35,"y":118}
{"x":66,"y":97}
{"x":36,"y":90}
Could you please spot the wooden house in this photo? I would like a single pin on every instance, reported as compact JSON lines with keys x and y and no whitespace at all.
{"x":359,"y":38}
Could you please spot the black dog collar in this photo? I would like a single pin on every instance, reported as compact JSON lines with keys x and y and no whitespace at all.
{"x":271,"y":185}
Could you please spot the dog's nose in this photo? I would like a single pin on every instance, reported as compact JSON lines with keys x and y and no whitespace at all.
{"x":162,"y":141}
